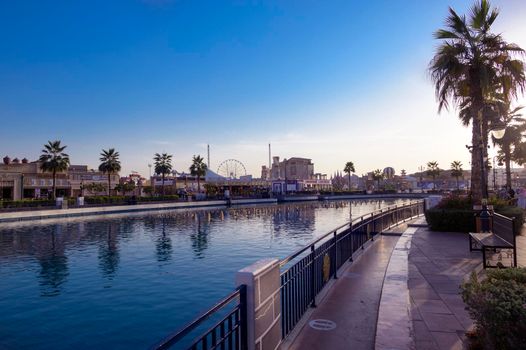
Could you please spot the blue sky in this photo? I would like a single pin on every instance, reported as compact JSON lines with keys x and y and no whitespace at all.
{"x":328,"y":80}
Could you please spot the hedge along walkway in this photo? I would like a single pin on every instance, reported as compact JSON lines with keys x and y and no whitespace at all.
{"x":438,"y":264}
{"x":521,"y":248}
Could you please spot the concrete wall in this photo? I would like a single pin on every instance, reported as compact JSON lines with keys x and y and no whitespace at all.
{"x":263,"y":303}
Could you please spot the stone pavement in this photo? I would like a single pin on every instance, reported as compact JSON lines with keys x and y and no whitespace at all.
{"x":423,"y":280}
{"x":352,"y":303}
{"x":438,"y":264}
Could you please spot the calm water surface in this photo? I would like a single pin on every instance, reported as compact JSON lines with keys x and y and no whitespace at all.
{"x":124,"y":281}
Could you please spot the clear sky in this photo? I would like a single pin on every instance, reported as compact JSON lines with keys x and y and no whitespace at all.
{"x":329,"y":80}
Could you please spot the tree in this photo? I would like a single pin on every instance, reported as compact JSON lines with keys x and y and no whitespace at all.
{"x":163,"y":166}
{"x":456,"y":171}
{"x":94,"y":187}
{"x":198,"y":168}
{"x":53,"y":160}
{"x":433,"y":170}
{"x":509,"y":144}
{"x":349,"y":168}
{"x":378,"y":175}
{"x":110,"y":164}
{"x":125,"y":187}
{"x":471,"y":65}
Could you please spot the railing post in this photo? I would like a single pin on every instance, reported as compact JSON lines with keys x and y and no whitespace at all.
{"x":362,"y":242}
{"x":335,"y":255}
{"x":244,"y":317}
{"x":350,"y":241}
{"x":313,"y":276}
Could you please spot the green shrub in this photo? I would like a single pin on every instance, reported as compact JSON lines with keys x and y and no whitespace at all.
{"x":27,"y":203}
{"x":498,"y":306}
{"x":450,"y":220}
{"x":456,"y":214}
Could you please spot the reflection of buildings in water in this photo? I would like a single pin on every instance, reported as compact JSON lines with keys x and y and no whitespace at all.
{"x":199,"y":238}
{"x":53,"y":263}
{"x":163,"y":245}
{"x":109,"y":251}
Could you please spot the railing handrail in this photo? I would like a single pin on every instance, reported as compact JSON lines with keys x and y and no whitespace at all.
{"x":297,"y":253}
{"x":186,"y":329}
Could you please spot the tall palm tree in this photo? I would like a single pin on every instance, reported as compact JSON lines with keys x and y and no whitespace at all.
{"x":198,"y":168}
{"x":110,"y":164}
{"x":456,"y":171}
{"x":378,"y":175}
{"x":470,"y":66}
{"x":53,"y":160}
{"x":515,"y":126}
{"x":433,"y":170}
{"x":349,"y":168}
{"x":163,"y":166}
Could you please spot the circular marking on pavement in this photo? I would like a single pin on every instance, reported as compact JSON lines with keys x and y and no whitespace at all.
{"x":322,"y":325}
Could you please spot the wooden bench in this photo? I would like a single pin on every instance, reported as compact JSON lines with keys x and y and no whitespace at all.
{"x":501,"y":237}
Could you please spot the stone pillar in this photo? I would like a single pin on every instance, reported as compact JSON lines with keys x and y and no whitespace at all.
{"x":263,"y":303}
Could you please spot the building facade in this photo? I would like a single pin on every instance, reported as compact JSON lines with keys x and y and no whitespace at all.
{"x":26,"y":180}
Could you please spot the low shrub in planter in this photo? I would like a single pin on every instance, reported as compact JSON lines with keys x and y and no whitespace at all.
{"x":498,"y":307}
{"x":450,"y":220}
{"x":456,"y":214}
{"x":27,"y":203}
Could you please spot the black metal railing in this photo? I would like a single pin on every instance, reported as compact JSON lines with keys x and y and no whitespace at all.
{"x":308,"y":270}
{"x":230,"y":332}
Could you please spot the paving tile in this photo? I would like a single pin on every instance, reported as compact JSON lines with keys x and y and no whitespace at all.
{"x":426,"y":345}
{"x":448,"y":341}
{"x":432,"y":306}
{"x":424,"y":293}
{"x":441,"y":322}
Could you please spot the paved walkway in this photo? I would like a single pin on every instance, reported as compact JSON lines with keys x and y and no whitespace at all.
{"x":352,"y":303}
{"x":438,"y":264}
{"x":428,"y":278}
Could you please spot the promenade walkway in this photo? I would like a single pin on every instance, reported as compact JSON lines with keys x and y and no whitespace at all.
{"x":352,"y":303}
{"x":416,"y":306}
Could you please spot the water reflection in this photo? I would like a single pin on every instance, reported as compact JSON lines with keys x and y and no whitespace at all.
{"x":54,"y":271}
{"x":163,"y":246}
{"x":109,"y":252}
{"x":199,"y":237}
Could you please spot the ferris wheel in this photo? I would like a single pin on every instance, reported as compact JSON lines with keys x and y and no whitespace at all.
{"x":231,"y":169}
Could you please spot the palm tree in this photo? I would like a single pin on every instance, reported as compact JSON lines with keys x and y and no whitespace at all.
{"x":456,"y":171}
{"x":163,"y":166}
{"x":349,"y":168}
{"x":378,"y":175}
{"x":433,"y":170}
{"x":471,"y":65}
{"x":198,"y":168}
{"x":515,"y":126}
{"x":53,"y":160}
{"x":110,"y":164}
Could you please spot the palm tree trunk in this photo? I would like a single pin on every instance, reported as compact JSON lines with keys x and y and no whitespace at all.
{"x":349,"y":181}
{"x":458,"y":187}
{"x":54,"y":184}
{"x":109,"y":184}
{"x":162,"y":183}
{"x":477,"y":140}
{"x":476,"y":175}
{"x":198,"y":184}
{"x":507,"y":161}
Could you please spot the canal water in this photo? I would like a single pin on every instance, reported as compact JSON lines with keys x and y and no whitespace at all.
{"x":125,"y":281}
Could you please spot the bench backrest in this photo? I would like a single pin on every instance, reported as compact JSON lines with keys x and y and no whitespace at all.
{"x":504,"y":227}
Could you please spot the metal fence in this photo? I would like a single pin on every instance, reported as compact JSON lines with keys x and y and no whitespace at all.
{"x":309,"y":269}
{"x":230,"y":332}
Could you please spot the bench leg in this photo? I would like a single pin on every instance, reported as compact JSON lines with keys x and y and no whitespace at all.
{"x":484,"y":257}
{"x":470,"y":244}
{"x":514,"y":256}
